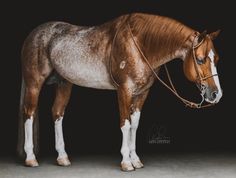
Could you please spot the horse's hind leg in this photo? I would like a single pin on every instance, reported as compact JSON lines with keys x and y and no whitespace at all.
{"x":63,"y":92}
{"x":31,"y":99}
{"x":31,"y":94}
{"x":35,"y":69}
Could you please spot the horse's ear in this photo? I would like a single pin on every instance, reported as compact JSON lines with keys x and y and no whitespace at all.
{"x":202,"y":36}
{"x":213,"y":35}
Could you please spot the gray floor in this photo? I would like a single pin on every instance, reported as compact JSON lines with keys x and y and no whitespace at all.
{"x":163,"y":166}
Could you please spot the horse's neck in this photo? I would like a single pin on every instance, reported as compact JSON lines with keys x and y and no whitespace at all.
{"x":180,"y":53}
{"x":161,"y":39}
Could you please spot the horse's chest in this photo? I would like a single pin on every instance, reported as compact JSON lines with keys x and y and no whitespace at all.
{"x":75,"y":60}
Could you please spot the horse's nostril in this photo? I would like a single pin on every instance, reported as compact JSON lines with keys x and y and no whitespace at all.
{"x":214,"y":94}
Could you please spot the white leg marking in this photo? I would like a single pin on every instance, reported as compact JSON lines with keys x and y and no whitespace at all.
{"x":62,"y":158}
{"x":125,"y":146}
{"x":125,"y":151}
{"x":216,"y":78}
{"x":134,"y":125}
{"x":132,"y":145}
{"x":28,"y":146}
{"x":60,"y":146}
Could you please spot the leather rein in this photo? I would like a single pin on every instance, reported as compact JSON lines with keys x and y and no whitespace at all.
{"x":171,"y":87}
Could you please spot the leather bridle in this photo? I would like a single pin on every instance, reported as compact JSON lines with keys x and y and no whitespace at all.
{"x":200,"y":79}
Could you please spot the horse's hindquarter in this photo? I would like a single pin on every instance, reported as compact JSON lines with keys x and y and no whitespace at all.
{"x":82,"y":57}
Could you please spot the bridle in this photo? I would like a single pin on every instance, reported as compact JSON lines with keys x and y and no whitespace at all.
{"x":200,"y":79}
{"x":171,"y":86}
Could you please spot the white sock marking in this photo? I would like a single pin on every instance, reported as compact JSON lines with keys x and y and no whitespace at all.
{"x":216,"y":78}
{"x":59,"y":144}
{"x":28,"y":146}
{"x":134,"y":126}
{"x":125,"y":142}
{"x":128,"y":148}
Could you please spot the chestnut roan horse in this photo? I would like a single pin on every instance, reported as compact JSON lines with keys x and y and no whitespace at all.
{"x":125,"y":55}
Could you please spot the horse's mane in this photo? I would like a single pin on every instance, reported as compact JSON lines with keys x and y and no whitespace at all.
{"x":159,"y":34}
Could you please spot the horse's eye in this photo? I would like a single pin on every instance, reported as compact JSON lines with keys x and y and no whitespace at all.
{"x":201,"y":61}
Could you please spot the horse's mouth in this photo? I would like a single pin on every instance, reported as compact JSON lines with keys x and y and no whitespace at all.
{"x":211,"y":101}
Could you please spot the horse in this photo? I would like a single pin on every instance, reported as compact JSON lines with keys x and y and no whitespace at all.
{"x":124,"y":54}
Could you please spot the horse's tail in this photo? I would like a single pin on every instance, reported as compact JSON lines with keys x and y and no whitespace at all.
{"x":21,"y":130}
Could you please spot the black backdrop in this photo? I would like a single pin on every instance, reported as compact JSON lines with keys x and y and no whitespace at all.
{"x":91,"y":121}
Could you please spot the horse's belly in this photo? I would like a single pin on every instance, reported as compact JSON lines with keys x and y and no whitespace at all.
{"x":90,"y":73}
{"x":79,"y":66}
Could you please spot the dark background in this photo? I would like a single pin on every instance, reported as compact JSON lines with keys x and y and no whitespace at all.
{"x":91,"y":123}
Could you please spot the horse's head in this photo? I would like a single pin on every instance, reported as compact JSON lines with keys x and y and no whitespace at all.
{"x":200,"y":66}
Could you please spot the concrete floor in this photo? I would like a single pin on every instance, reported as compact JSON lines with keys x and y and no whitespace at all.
{"x":162,"y":165}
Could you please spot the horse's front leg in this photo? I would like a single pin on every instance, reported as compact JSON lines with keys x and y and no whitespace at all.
{"x":137,"y":105}
{"x":130,"y":107}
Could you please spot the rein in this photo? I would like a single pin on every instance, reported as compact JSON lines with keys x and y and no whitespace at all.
{"x":171,"y":87}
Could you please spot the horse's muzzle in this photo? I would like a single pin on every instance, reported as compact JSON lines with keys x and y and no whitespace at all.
{"x":212,"y":95}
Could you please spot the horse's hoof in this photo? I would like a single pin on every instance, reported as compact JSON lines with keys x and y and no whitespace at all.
{"x":31,"y":163}
{"x":63,"y":161}
{"x":137,"y":164}
{"x":127,"y":167}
